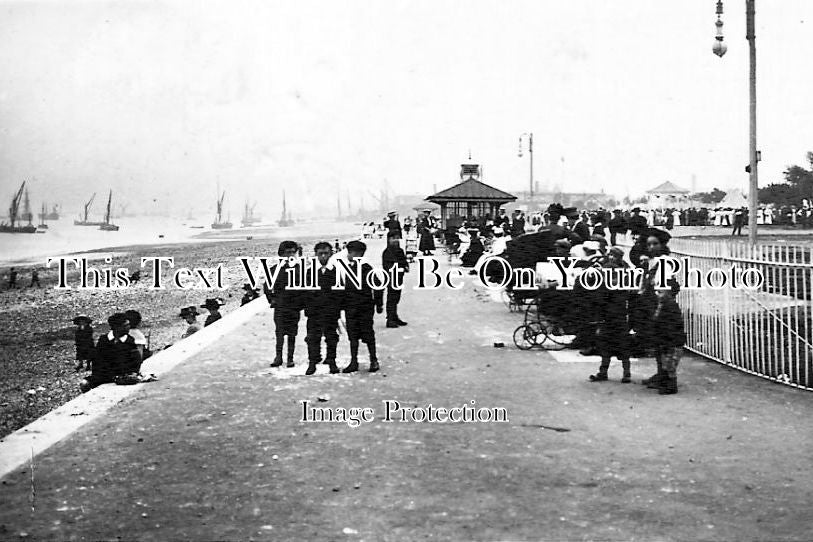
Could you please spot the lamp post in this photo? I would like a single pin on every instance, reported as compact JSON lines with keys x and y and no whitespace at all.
{"x":530,"y":137}
{"x":719,"y":49}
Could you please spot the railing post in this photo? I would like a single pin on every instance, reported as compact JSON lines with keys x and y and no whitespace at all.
{"x":728,"y":347}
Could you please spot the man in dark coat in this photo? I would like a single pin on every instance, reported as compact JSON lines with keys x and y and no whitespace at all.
{"x":322,"y":310}
{"x":739,"y":220}
{"x":518,"y":224}
{"x":578,"y":225}
{"x":617,"y":226}
{"x":394,"y":261}
{"x":392,"y":224}
{"x":359,"y":304}
{"x":116,"y":354}
{"x":637,"y":223}
{"x":502,"y":221}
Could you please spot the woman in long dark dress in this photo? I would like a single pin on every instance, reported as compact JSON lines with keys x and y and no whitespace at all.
{"x":475,"y":250}
{"x":427,"y":243}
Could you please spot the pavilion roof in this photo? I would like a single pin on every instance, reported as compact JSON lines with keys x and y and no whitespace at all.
{"x":471,"y":190}
{"x":667,"y":188}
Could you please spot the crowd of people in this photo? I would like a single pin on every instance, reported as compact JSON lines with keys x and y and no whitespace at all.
{"x":623,"y":323}
{"x":605,"y":322}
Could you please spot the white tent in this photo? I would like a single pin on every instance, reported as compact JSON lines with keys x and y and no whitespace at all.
{"x":734,"y":198}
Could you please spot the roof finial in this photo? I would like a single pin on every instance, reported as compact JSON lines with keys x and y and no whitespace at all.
{"x":469,"y":153}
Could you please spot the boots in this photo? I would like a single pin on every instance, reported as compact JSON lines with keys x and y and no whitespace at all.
{"x":654,"y":382}
{"x":668,"y":386}
{"x":311,"y":368}
{"x":278,"y":358}
{"x":330,"y":358}
{"x":601,"y":376}
{"x":627,"y":378}
{"x":291,"y":347}
{"x":373,"y":358}
{"x":354,"y":358}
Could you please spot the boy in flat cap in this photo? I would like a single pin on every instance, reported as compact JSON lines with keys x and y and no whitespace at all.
{"x":359,"y":304}
{"x":116,"y":354}
{"x":287,"y":304}
{"x":322,"y":309}
{"x":83,"y":338}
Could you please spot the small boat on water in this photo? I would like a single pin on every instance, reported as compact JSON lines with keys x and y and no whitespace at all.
{"x":285,"y":221}
{"x":219,"y":223}
{"x":43,"y":215}
{"x":84,"y":221}
{"x":107,"y":225}
{"x":14,"y":215}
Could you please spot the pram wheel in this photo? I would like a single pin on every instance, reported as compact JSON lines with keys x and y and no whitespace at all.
{"x":525,"y":337}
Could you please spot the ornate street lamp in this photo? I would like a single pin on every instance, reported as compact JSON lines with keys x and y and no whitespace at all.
{"x":720,"y":47}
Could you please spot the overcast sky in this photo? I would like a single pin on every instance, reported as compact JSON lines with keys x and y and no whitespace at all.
{"x":162,"y":100}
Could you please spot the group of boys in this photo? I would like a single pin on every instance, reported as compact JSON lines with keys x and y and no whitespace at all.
{"x":323,"y":303}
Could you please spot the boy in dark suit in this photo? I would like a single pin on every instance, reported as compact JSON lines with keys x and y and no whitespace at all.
{"x":286,"y":303}
{"x":359,"y":304}
{"x":322,"y":308}
{"x":394,"y":257}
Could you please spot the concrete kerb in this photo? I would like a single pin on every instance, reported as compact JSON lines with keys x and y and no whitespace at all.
{"x":20,"y":446}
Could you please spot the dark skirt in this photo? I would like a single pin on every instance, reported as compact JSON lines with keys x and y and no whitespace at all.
{"x":427,"y":241}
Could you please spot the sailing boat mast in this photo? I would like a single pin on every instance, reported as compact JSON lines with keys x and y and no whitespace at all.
{"x":88,"y":204}
{"x":107,"y":214}
{"x":27,"y":215}
{"x":15,"y":205}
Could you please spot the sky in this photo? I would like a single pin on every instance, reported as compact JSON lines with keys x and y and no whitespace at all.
{"x":162,"y":101}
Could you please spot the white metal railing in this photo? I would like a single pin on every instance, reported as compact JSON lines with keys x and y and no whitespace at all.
{"x":767,"y":332}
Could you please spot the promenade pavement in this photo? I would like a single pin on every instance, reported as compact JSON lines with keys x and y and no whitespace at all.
{"x":217,"y":450}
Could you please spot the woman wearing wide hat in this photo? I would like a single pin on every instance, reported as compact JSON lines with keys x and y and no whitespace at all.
{"x":213,"y":306}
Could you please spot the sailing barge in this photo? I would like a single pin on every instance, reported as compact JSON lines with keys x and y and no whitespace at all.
{"x":219,"y":223}
{"x":248,"y":215}
{"x":14,"y":214}
{"x":285,"y":220}
{"x":107,"y":225}
{"x":84,"y":221}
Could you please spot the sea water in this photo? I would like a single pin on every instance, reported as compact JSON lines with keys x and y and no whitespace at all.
{"x":63,"y":237}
